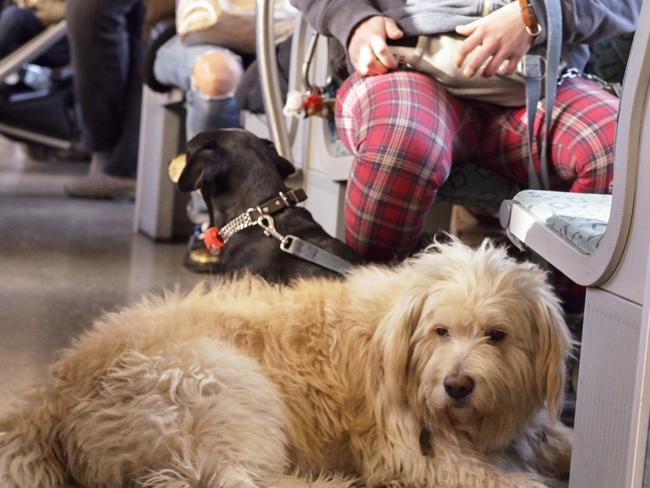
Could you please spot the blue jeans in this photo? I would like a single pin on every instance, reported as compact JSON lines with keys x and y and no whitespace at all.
{"x":107,"y":52}
{"x":173,"y":66}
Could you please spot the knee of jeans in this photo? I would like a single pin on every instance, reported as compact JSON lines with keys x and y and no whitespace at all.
{"x":217,"y":73}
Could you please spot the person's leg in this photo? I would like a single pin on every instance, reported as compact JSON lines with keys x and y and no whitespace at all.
{"x":211,"y":103}
{"x":209,"y":76}
{"x":404,"y":130}
{"x":20,"y":25}
{"x":581,"y":143}
{"x":106,"y":47}
{"x":124,"y":157}
{"x":101,"y":54}
{"x":17,"y":26}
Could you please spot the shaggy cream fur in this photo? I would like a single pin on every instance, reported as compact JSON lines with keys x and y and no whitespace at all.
{"x":323,"y":383}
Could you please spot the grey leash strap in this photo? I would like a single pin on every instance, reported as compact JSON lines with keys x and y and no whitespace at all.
{"x":533,"y":76}
{"x":309,"y":252}
{"x":302,"y":249}
{"x":533,"y":90}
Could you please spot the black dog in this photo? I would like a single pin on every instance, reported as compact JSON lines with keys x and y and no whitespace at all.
{"x":237,"y":171}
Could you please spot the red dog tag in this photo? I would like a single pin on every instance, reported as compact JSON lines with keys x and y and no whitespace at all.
{"x":212,"y":241}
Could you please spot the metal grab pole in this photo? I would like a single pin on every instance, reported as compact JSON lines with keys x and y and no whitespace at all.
{"x":32,"y":49}
{"x":269,"y":78}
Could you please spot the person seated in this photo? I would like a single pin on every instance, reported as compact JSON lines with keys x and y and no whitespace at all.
{"x":22,"y":20}
{"x":206,"y":60}
{"x":405,"y":129}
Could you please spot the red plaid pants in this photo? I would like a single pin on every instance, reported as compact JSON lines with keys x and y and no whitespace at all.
{"x":405,"y":131}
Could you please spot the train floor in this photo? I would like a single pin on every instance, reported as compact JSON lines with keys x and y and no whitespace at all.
{"x":63,"y":262}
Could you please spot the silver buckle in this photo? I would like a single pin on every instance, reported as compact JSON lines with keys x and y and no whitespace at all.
{"x":285,"y":199}
{"x":531,"y":66}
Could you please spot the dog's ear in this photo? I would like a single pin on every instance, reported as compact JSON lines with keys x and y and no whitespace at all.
{"x":554,"y":344}
{"x":191,"y":176}
{"x":201,"y":166}
{"x":393,"y":338}
{"x":176,"y":167}
{"x":285,"y":168}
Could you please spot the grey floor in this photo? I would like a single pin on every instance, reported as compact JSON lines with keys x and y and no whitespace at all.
{"x":63,"y":262}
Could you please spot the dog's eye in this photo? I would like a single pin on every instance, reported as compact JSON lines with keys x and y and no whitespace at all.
{"x":442,"y":331}
{"x":495,"y":335}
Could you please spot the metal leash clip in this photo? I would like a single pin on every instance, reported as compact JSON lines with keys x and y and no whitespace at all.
{"x":302,"y":249}
{"x":613,"y":88}
{"x":267,"y":223}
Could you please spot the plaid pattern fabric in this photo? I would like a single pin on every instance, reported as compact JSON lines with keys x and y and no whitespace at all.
{"x":405,"y":131}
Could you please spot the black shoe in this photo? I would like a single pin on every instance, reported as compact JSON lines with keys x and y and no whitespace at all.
{"x":197,"y":258}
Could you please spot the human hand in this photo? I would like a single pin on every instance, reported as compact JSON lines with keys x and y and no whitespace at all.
{"x":501,"y":35}
{"x":368,"y":50}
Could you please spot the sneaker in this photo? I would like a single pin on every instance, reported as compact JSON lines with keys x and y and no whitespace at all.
{"x":102,"y":186}
{"x":197,"y":258}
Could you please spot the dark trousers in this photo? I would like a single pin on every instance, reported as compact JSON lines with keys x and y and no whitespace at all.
{"x":19,"y":25}
{"x":107,"y":52}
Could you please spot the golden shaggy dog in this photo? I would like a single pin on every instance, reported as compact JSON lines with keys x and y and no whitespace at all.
{"x":445,"y":371}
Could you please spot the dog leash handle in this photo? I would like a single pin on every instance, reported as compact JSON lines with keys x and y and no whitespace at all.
{"x":533,"y":77}
{"x":309,"y":252}
{"x":302,"y":249}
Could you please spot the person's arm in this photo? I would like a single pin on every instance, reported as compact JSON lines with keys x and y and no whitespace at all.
{"x":359,"y":27}
{"x":501,"y":35}
{"x":368,"y":50}
{"x":337,"y":18}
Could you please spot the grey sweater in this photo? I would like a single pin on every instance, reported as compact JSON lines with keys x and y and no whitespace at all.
{"x":585,"y":21}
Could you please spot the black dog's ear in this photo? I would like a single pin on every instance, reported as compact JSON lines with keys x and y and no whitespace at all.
{"x":285,"y":168}
{"x":202,"y":166}
{"x":192,"y":174}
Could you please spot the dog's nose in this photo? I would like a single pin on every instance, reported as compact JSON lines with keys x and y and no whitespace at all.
{"x":458,"y":386}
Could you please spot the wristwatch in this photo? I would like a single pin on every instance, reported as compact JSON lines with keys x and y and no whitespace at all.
{"x":529,"y":17}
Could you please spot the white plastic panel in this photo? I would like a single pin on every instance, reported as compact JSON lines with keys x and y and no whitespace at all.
{"x":629,"y":277}
{"x":606,"y":386}
{"x":325,"y":202}
{"x":159,"y":211}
